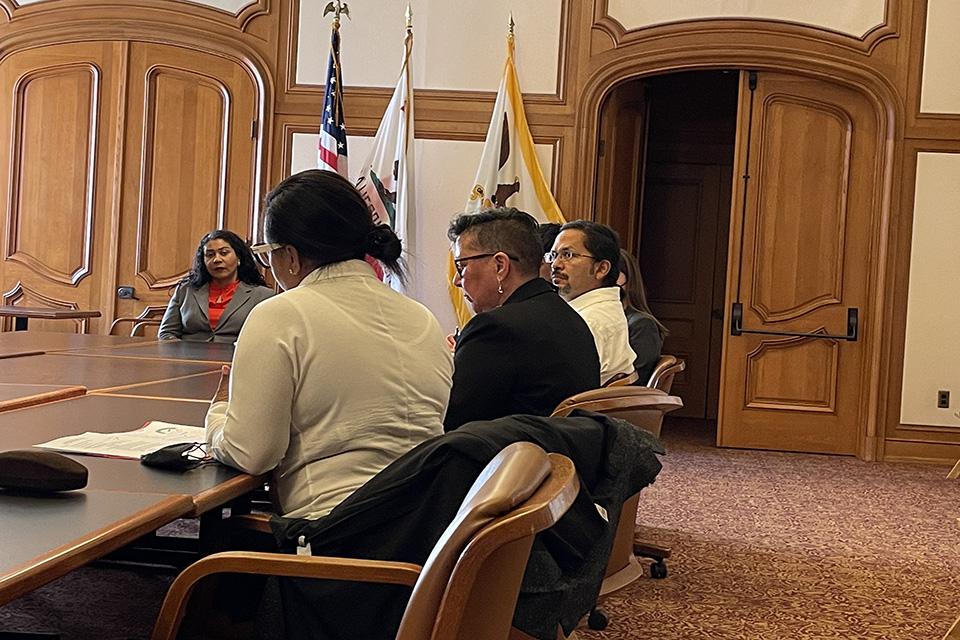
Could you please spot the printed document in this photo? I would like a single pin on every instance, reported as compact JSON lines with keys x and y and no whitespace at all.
{"x":130,"y":444}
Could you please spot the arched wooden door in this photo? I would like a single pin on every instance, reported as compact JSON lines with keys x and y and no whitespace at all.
{"x":800,"y":258}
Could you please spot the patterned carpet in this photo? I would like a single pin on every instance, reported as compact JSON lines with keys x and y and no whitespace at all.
{"x":767,"y":546}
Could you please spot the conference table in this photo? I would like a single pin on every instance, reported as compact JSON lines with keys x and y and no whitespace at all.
{"x":44,"y":537}
{"x":19,"y":343}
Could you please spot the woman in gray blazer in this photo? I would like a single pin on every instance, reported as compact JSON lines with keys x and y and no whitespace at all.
{"x":212,"y":302}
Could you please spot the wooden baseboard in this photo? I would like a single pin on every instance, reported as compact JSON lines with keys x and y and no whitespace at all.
{"x":939,"y":453}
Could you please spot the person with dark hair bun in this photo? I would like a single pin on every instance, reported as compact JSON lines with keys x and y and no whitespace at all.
{"x":212,"y":302}
{"x":339,"y":375}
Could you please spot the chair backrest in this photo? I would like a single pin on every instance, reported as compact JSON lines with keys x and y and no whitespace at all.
{"x":640,"y":406}
{"x":662,"y":376}
{"x":469,"y":585}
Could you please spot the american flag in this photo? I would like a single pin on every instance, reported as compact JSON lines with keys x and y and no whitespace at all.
{"x":332,"y":148}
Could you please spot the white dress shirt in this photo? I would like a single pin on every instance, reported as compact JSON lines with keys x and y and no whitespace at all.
{"x":603,"y":313}
{"x":331,"y":382}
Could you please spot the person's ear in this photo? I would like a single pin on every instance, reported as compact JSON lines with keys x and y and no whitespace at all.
{"x":602,"y":269}
{"x":503,"y":264}
{"x":294,"y":255}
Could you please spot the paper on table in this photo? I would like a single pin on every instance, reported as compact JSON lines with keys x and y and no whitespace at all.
{"x":130,"y":444}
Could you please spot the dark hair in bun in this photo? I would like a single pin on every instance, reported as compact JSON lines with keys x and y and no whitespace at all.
{"x":324,"y":217}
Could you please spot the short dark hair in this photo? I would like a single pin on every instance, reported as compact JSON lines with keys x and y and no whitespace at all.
{"x":548,"y":232}
{"x":246,"y":269}
{"x":603,"y":243}
{"x":502,"y":229}
{"x":326,"y":220}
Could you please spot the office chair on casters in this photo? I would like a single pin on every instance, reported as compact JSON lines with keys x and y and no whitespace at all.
{"x":484,"y":550}
{"x":644,"y":408}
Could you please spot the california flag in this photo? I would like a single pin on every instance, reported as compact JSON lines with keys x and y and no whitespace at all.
{"x":386,"y":178}
{"x":509,"y":173}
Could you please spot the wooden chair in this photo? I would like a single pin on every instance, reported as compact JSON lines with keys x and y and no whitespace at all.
{"x":644,"y":408}
{"x":954,"y":632}
{"x":662,"y":375}
{"x":149,"y":317}
{"x":483,"y":551}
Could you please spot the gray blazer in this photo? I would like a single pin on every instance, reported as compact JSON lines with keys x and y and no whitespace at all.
{"x":187,"y":316}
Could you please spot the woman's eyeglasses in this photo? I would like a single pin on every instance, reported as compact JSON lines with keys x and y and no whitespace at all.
{"x":261,"y":252}
{"x":460,"y":264}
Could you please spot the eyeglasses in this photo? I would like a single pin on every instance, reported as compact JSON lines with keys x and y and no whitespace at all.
{"x":459,"y":263}
{"x":564,"y":254}
{"x":262,"y":251}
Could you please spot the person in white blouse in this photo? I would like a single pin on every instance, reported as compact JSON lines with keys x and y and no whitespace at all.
{"x":584,"y":267}
{"x":339,"y":375}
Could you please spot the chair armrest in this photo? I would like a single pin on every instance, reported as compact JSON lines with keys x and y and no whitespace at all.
{"x":275,"y":564}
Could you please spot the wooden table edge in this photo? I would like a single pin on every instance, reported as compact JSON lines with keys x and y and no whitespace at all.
{"x":43,"y":398}
{"x":20,"y":354}
{"x":60,"y":561}
{"x":78,"y":352}
{"x":225,"y":492}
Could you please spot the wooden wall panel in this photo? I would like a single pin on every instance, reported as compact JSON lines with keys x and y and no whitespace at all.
{"x":811,"y":176}
{"x":44,"y":156}
{"x":186,"y":135}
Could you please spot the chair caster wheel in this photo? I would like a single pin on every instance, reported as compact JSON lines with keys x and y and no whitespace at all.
{"x":658,"y":570}
{"x":597,"y":620}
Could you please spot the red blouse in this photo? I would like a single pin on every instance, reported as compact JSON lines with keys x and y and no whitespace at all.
{"x":219,"y":299}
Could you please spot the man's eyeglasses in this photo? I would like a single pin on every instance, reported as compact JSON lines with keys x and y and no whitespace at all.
{"x":261,"y":252}
{"x":564,"y":254}
{"x":460,"y":263}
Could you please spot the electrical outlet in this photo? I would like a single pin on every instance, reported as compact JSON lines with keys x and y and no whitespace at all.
{"x":943,"y":399}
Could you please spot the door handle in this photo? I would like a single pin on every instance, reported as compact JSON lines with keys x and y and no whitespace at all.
{"x":853,"y":326}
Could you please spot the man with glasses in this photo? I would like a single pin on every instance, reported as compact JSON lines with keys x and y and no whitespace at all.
{"x":526,"y":350}
{"x":584,"y":267}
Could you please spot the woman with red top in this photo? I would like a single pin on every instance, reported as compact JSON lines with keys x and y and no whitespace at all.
{"x":212,"y":302}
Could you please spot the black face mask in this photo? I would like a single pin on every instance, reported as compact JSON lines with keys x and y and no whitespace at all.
{"x":177,"y":457}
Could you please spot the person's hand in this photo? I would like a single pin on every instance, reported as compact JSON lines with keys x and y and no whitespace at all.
{"x":452,"y":339}
{"x":223,"y":390}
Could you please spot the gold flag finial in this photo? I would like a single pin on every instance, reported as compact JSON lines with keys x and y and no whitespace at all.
{"x":409,"y":16}
{"x":512,"y":24}
{"x":337,"y":8}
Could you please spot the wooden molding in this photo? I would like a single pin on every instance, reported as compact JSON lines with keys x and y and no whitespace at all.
{"x":240,"y":20}
{"x":865,"y":43}
{"x":920,"y":125}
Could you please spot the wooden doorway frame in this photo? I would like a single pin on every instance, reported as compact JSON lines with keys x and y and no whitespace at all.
{"x":806,"y":59}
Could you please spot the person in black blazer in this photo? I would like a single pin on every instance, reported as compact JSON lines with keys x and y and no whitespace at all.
{"x":526,"y":350}
{"x":213,"y":301}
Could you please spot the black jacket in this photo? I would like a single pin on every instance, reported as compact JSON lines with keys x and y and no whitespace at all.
{"x":524,"y":357}
{"x":401,"y":513}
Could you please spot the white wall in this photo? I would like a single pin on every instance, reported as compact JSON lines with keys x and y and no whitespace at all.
{"x":445,"y":171}
{"x":940,"y":91}
{"x":932,"y":358}
{"x":853,"y":17}
{"x":457,"y":45}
